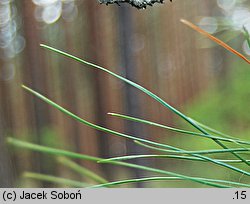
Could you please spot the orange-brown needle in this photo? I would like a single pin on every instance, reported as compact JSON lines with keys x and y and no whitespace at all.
{"x":218,"y":41}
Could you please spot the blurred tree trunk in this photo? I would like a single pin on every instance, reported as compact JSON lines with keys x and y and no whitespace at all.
{"x":34,"y":76}
{"x":129,"y":68}
{"x":96,"y":28}
{"x":6,"y":170}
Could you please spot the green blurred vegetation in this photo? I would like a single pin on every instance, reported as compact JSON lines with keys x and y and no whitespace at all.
{"x":226,"y":106}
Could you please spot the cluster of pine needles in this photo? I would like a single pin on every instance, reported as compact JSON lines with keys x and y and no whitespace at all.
{"x":241,"y":147}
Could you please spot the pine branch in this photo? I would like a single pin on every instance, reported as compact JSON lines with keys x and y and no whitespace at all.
{"x":136,"y":3}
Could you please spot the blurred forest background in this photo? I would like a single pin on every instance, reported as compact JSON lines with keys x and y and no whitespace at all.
{"x":150,"y":47}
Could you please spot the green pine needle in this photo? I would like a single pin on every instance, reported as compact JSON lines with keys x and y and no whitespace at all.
{"x":59,"y":152}
{"x":128,"y":136}
{"x":149,"y":93}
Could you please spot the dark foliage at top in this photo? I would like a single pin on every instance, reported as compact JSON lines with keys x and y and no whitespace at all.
{"x":136,"y":3}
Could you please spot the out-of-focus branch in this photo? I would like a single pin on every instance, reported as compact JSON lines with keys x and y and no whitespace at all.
{"x":136,"y":3}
